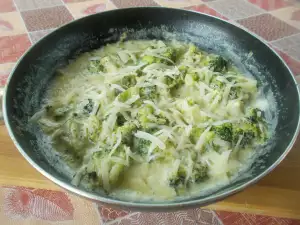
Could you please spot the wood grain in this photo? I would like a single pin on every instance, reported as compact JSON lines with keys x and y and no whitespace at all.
{"x":278,"y":194}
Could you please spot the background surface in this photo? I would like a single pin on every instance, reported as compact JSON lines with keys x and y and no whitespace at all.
{"x":23,"y":22}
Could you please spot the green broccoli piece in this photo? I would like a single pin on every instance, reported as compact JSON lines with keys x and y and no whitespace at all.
{"x":88,"y":108}
{"x":234,"y":92}
{"x":149,"y":92}
{"x":191,"y":78}
{"x":257,"y":119}
{"x":141,"y":146}
{"x":216,"y":84}
{"x":200,"y":172}
{"x":127,"y":131}
{"x":143,"y":114}
{"x":256,"y":115}
{"x":192,"y":48}
{"x":120,"y":119}
{"x":95,"y":66}
{"x":108,"y":65}
{"x":129,"y":93}
{"x":171,"y":54}
{"x":224,"y":131}
{"x":128,"y":81}
{"x":248,"y":130}
{"x":148,"y":59}
{"x":174,"y":82}
{"x":115,"y":169}
{"x":146,"y":115}
{"x":219,"y":64}
{"x":177,"y":180}
{"x":195,"y":134}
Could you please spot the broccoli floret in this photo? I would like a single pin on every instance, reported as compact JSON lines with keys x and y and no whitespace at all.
{"x":88,"y":108}
{"x":128,"y":81}
{"x":141,"y":146}
{"x":191,"y":78}
{"x":200,"y":172}
{"x":148,"y":59}
{"x":183,"y":68}
{"x":143,"y":114}
{"x":177,"y":180}
{"x":195,"y":134}
{"x":149,"y":92}
{"x":115,"y":170}
{"x":216,"y":84}
{"x":95,"y":66}
{"x":129,"y":93}
{"x":255,"y":115}
{"x":120,"y":119}
{"x":192,"y":48}
{"x":171,"y":54}
{"x":257,"y":119}
{"x":248,"y":130}
{"x":174,"y":82}
{"x":127,"y":131}
{"x":234,"y":93}
{"x":146,"y":115}
{"x":219,"y":64}
{"x":224,"y":131}
{"x":108,"y":65}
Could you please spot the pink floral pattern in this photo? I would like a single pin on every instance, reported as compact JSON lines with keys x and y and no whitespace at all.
{"x":95,"y":9}
{"x":109,"y":214}
{"x":21,"y":203}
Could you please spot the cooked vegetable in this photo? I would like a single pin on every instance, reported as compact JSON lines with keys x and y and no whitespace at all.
{"x":151,"y":117}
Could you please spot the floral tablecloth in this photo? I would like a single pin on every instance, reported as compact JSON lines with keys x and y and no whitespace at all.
{"x":23,"y":22}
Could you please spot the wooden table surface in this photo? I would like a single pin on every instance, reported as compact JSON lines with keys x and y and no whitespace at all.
{"x":277,"y":194}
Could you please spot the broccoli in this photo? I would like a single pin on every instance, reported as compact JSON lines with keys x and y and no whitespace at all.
{"x":234,"y":93}
{"x":248,"y":130}
{"x":171,"y":54}
{"x":115,"y":169}
{"x":146,"y":115}
{"x":219,"y":64}
{"x":129,"y":93}
{"x":183,"y":68}
{"x":224,"y":131}
{"x":191,"y":78}
{"x":95,"y":66}
{"x":216,"y":84}
{"x":141,"y":146}
{"x":256,"y":115}
{"x":200,"y":172}
{"x":127,"y":131}
{"x":148,"y":59}
{"x":177,"y":179}
{"x":128,"y":81}
{"x":88,"y":108}
{"x":120,"y":119}
{"x":192,"y":48}
{"x":195,"y":134}
{"x":174,"y":82}
{"x":149,"y":92}
{"x":108,"y":65}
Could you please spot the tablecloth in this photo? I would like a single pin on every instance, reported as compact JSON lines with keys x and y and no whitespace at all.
{"x":24,"y":22}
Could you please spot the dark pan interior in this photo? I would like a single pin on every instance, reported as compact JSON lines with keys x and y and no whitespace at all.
{"x":31,"y":76}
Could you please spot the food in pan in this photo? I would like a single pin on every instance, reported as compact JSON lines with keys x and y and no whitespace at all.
{"x":153,"y":119}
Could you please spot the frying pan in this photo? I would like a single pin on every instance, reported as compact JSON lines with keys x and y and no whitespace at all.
{"x":27,"y":83}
